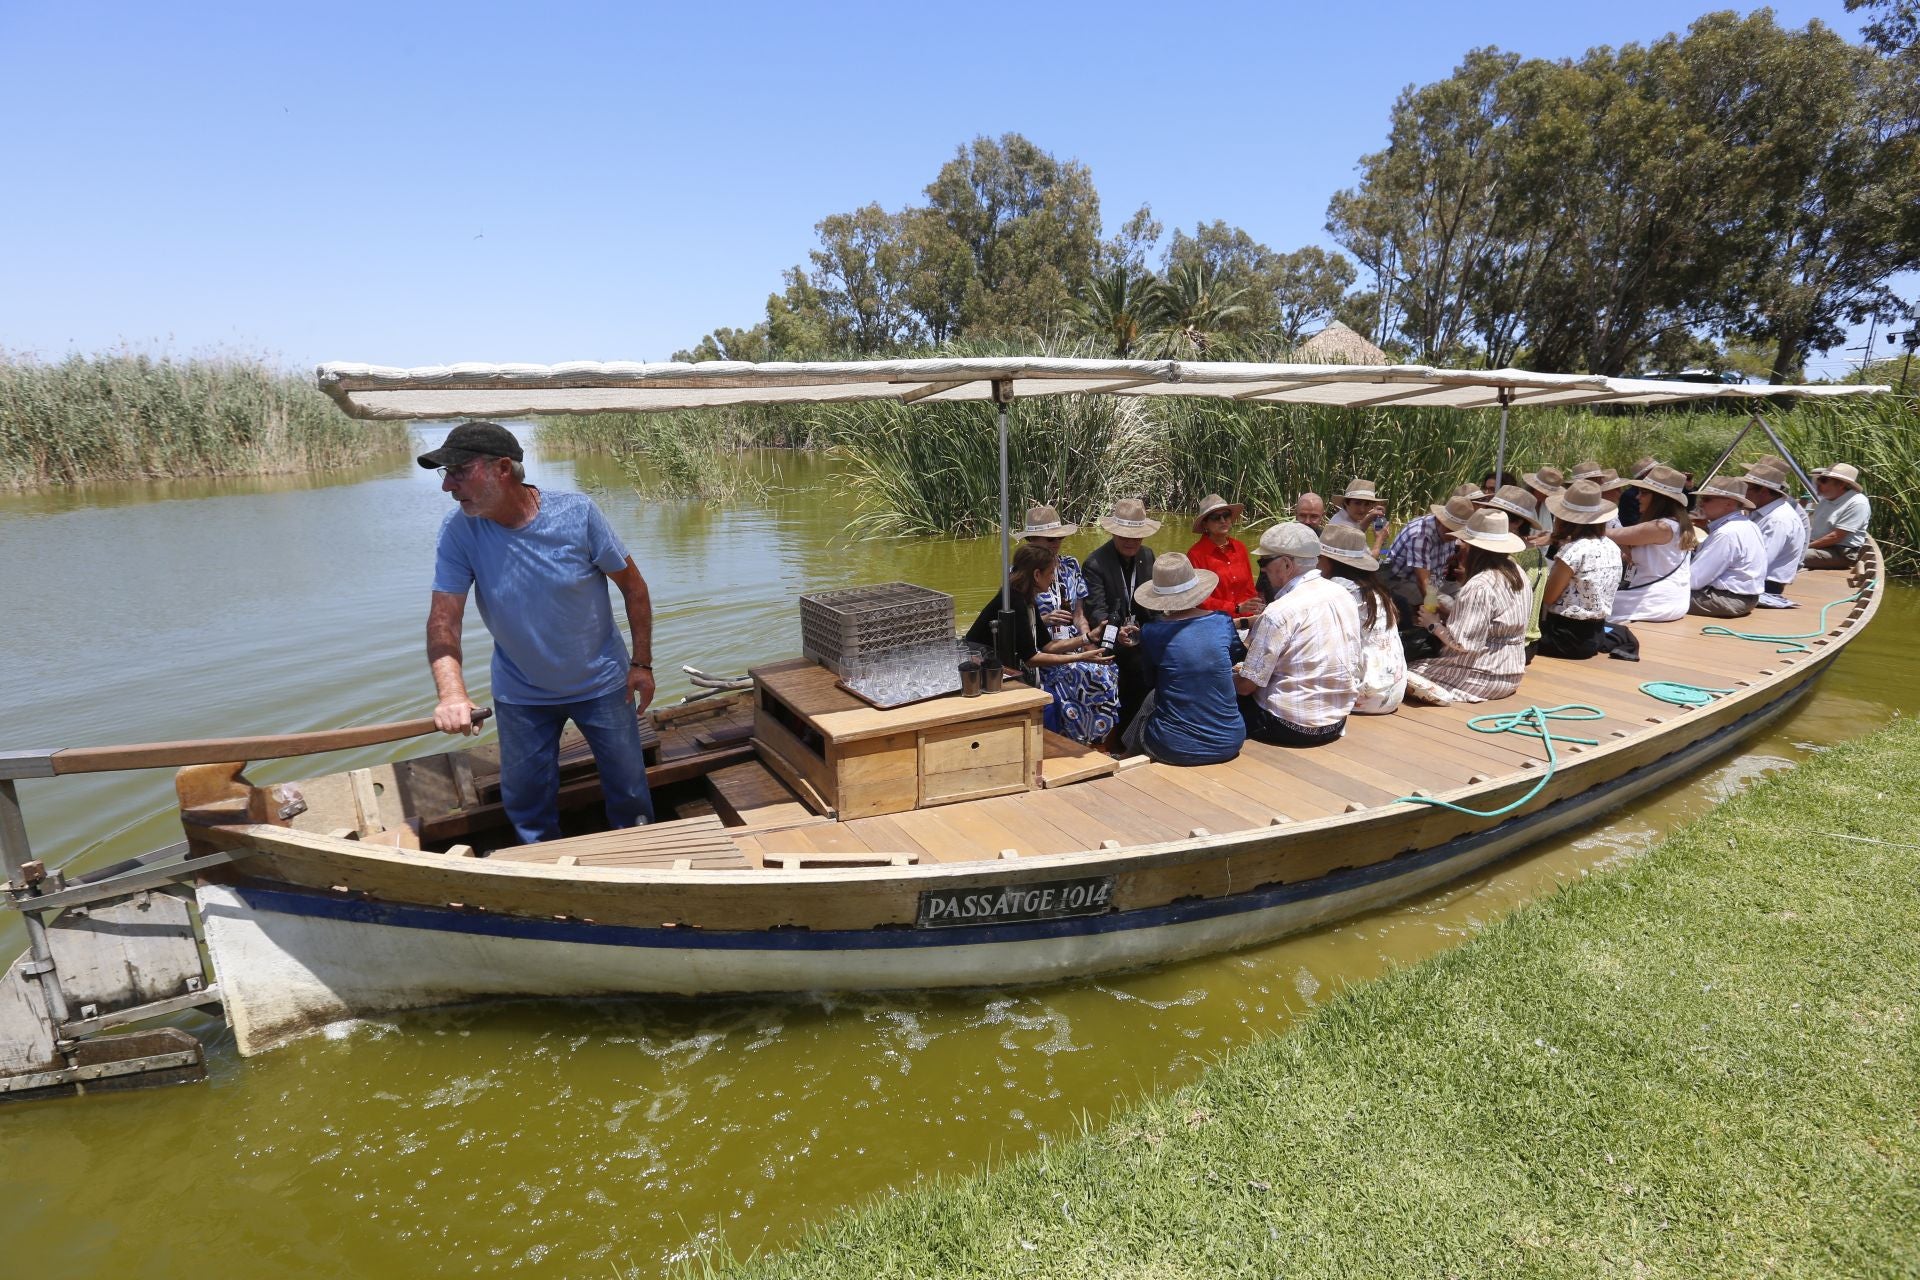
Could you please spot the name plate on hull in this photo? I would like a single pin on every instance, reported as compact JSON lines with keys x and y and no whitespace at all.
{"x":1047,"y":900}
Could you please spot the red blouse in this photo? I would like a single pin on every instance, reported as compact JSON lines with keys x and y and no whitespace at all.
{"x":1234,"y":567}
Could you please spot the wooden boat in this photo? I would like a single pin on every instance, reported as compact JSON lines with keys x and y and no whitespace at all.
{"x":819,"y":844}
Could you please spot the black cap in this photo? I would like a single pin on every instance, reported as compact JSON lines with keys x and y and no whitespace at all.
{"x":472,"y":440}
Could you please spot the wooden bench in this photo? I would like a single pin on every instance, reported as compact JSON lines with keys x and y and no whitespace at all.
{"x":688,"y":844}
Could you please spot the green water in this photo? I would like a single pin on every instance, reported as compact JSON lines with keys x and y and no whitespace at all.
{"x":585,"y":1139}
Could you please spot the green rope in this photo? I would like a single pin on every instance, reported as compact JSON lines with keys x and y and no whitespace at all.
{"x":1531,"y":723}
{"x":1791,"y":643}
{"x":1682,"y":695}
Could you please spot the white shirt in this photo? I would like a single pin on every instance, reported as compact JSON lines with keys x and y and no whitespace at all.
{"x":1733,"y":558}
{"x":1785,"y":536}
{"x":1305,"y":650}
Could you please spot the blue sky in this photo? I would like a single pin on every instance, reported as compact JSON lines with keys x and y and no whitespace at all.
{"x":411,"y":184}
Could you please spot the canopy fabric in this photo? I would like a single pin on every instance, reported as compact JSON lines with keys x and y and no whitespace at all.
{"x":524,"y":390}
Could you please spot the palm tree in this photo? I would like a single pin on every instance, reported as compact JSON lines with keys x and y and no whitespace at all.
{"x":1122,"y":306}
{"x":1199,"y":310}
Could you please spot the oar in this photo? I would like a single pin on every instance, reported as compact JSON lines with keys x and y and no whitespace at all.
{"x":164,"y":755}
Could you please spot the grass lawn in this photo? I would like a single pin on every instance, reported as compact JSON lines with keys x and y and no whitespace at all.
{"x":1706,"y":1064}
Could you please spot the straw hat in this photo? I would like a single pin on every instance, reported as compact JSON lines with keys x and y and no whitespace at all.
{"x":1488,"y":531}
{"x":1581,"y":503}
{"x":1766,"y":476}
{"x":1724,"y":487}
{"x":1290,"y":538}
{"x":1513,"y":500}
{"x":1609,"y":479}
{"x":1456,"y":512}
{"x":1045,"y":522}
{"x":1129,"y":519}
{"x":1588,"y":471}
{"x":1844,"y":472}
{"x":1545,"y":481}
{"x":1214,"y":502}
{"x":1348,"y":545}
{"x":1468,"y":490}
{"x":1176,"y":584}
{"x":1643,"y":464}
{"x":1664,"y":481}
{"x":1359,"y":491}
{"x":1772,"y":461}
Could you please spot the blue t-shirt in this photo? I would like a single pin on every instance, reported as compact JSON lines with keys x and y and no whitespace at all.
{"x":542,"y":591}
{"x":1196,"y":714}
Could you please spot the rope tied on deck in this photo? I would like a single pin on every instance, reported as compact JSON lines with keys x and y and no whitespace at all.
{"x":1532,"y":722}
{"x":1681,"y":694}
{"x":1791,"y":643}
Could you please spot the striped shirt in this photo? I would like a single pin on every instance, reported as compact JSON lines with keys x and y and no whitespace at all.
{"x":1422,"y":544}
{"x":1483,"y":638}
{"x":1305,"y":650}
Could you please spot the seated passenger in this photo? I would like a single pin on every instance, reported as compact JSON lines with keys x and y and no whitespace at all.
{"x":1310,"y":509}
{"x":1535,"y":526}
{"x":1657,"y":586}
{"x":1483,"y":628}
{"x":1345,"y":561}
{"x":1730,"y":567}
{"x":1361,"y":508}
{"x":1073,"y":668}
{"x":1782,"y":529}
{"x":1630,"y":500}
{"x":1578,"y":595}
{"x":1191,"y":716}
{"x":1839,"y":527}
{"x":1225,"y":556}
{"x":1302,"y":670}
{"x":1421,"y":552}
{"x":1116,"y":568}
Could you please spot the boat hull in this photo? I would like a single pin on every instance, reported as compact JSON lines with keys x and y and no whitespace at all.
{"x":292,"y":959}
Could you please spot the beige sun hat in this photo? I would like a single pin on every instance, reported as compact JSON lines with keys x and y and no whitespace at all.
{"x":1214,"y":502}
{"x":1643,"y":464}
{"x":1488,"y":531}
{"x":1513,"y":500}
{"x":1176,"y":584}
{"x":1845,"y":472}
{"x":1725,"y":487}
{"x":1581,"y":503}
{"x":1045,"y":522}
{"x":1455,"y":512}
{"x":1766,"y":476}
{"x":1664,"y":481}
{"x":1348,"y":545}
{"x":1545,"y":481}
{"x":1129,"y":519}
{"x":1587,"y":471}
{"x":1610,"y":479}
{"x":1359,"y":490}
{"x":1468,"y":490}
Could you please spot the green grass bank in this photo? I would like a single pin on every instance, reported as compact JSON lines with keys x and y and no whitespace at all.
{"x":1704,"y":1064}
{"x":123,"y":417}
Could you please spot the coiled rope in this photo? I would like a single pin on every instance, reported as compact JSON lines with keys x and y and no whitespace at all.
{"x":1682,"y":695}
{"x":1533,"y":723}
{"x":1791,"y":643}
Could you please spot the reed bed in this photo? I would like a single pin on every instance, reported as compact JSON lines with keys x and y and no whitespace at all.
{"x":1882,"y":438}
{"x":128,"y":417}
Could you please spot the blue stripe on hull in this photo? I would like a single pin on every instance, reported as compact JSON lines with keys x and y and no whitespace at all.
{"x":301,"y":902}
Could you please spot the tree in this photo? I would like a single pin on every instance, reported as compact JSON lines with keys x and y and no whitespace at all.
{"x":1123,"y":306}
{"x":1200,"y":310}
{"x":860,"y":273}
{"x":1895,"y":29}
{"x":1131,"y":244}
{"x":751,"y":345}
{"x":1303,"y":288}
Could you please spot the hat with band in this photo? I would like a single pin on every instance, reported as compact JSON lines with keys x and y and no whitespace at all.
{"x":1348,"y":545}
{"x":1176,"y":584}
{"x":1045,"y":522}
{"x":1129,"y":519}
{"x":1581,"y":503}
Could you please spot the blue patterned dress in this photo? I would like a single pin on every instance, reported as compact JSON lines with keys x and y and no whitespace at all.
{"x":1086,"y":695}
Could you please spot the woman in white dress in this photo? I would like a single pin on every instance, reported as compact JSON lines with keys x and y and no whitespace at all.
{"x":1345,"y":560}
{"x":1659,"y":550}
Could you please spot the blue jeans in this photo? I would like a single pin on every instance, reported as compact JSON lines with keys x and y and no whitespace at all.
{"x":530,"y":762}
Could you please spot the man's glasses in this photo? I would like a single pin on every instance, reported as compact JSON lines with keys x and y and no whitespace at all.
{"x":460,"y":472}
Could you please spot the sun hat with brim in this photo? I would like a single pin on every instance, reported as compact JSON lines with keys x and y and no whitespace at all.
{"x":1766,"y":477}
{"x":1609,"y":479}
{"x":1664,"y":481}
{"x":1587,"y":471}
{"x":1643,"y":464}
{"x":1214,"y":502}
{"x":1845,"y":472}
{"x":1513,"y":500}
{"x":1455,"y":512}
{"x":472,"y":440}
{"x":1468,"y":490}
{"x":1348,"y":545}
{"x":1129,"y":519}
{"x":1176,"y":585}
{"x":1581,"y":503}
{"x":1488,"y":531}
{"x":1545,"y":481}
{"x":1045,"y":522}
{"x":1359,"y":490}
{"x":1724,"y":487}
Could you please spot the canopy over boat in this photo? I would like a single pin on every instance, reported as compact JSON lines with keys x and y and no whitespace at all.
{"x":520,"y":390}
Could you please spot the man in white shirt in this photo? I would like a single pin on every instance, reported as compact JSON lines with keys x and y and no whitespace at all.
{"x":1781,"y":529}
{"x":1301,"y":675}
{"x":1730,"y":567}
{"x":1839,"y":526}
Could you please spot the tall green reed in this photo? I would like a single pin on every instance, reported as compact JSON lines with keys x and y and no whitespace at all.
{"x":120,"y":417}
{"x":1881,"y":437}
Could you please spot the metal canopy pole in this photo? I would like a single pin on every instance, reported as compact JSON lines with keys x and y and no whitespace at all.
{"x":1003,"y":396}
{"x":1786,"y":453}
{"x":1727,"y":452}
{"x":1500,"y":456}
{"x":17,"y":855}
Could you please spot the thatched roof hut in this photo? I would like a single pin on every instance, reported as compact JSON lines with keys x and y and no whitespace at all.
{"x":1337,"y":344}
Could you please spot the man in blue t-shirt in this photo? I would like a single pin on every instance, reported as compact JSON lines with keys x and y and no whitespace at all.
{"x":540,"y":564}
